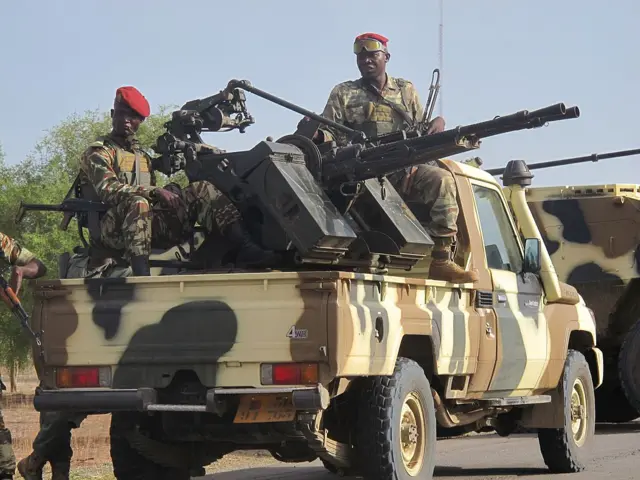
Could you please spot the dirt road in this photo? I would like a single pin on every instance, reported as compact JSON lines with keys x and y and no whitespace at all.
{"x":616,"y":456}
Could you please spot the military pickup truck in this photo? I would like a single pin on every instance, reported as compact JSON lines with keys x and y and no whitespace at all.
{"x":335,"y":358}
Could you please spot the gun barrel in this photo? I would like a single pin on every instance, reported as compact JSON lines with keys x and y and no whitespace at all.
{"x":594,"y":157}
{"x":245,"y":85}
{"x":381,"y":160}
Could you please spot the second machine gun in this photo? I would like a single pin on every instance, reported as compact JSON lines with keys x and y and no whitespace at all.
{"x":323,"y":204}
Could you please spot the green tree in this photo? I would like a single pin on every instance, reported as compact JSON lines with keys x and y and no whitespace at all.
{"x":45,"y":176}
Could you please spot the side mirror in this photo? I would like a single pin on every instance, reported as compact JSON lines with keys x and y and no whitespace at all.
{"x":532,"y":256}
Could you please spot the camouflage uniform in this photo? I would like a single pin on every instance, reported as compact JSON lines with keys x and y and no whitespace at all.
{"x":429,"y":189}
{"x":136,"y":222}
{"x":14,"y":254}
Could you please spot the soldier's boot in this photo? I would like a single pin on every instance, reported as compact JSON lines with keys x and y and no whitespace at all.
{"x":31,"y":466}
{"x":443,"y":268}
{"x":140,"y":265}
{"x":60,"y":470}
{"x":249,"y":253}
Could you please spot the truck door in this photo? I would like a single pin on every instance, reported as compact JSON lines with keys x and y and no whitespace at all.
{"x":522,"y":332}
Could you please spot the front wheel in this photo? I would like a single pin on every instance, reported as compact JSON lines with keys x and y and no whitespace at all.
{"x":566,"y":449}
{"x":396,"y":425}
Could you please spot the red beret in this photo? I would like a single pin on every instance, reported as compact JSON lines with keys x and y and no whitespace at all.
{"x":375,"y":36}
{"x":132,"y":97}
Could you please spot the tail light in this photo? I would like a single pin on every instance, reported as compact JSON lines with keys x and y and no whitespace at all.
{"x":289,"y":373}
{"x":83,"y":377}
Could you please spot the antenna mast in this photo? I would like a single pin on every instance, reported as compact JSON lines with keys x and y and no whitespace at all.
{"x":441,"y":50}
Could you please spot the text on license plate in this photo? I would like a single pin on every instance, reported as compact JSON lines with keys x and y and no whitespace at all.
{"x":270,"y":407}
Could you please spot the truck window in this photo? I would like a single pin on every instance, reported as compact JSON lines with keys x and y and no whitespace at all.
{"x":501,"y":246}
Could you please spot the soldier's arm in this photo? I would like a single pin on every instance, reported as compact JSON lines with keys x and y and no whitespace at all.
{"x":25,"y":264}
{"x":333,"y":110}
{"x":413,"y":102}
{"x":97,"y":165}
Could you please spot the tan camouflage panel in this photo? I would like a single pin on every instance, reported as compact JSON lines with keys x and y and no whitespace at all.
{"x":14,"y":253}
{"x":224,"y":325}
{"x":352,"y":105}
{"x":592,"y":233}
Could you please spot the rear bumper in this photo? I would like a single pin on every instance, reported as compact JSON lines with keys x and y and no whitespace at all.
{"x":145,"y":399}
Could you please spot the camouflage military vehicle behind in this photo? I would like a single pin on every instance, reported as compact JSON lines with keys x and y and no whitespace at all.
{"x":592,"y":233}
{"x":341,"y":354}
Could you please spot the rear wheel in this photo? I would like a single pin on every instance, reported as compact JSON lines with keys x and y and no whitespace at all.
{"x":566,"y":449}
{"x":629,"y":367}
{"x":396,"y":425}
{"x":128,"y":463}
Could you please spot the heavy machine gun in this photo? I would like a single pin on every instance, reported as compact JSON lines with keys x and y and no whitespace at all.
{"x":594,"y":157}
{"x":322,"y":204}
{"x":331,"y":204}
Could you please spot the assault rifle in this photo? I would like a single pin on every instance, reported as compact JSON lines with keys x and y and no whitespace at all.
{"x":12,"y":301}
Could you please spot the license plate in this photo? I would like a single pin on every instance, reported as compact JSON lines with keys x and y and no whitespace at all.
{"x":270,"y":407}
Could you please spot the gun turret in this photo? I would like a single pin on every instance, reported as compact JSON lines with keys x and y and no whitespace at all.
{"x":324,"y":204}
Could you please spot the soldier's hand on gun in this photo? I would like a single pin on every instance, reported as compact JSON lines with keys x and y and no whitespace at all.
{"x":168,"y":198}
{"x":15,"y":282}
{"x":435,"y":126}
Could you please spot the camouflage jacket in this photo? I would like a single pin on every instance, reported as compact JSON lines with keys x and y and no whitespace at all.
{"x":13,"y":252}
{"x":352,"y":104}
{"x":110,"y":168}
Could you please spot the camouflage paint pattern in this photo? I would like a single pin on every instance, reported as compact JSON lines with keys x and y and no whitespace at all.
{"x":503,"y":336}
{"x":14,"y":253}
{"x":136,"y":226}
{"x":352,"y":105}
{"x":591,"y":233}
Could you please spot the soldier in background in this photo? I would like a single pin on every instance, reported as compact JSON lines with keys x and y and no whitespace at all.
{"x":24,"y":265}
{"x":378,"y":104}
{"x":116,"y":171}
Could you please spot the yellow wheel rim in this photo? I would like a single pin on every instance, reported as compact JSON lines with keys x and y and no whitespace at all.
{"x":412,"y":434}
{"x":579,"y":420}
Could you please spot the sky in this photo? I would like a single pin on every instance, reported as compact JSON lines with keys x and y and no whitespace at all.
{"x":499,"y":57}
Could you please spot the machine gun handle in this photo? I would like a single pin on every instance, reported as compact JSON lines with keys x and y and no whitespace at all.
{"x":20,"y":213}
{"x":66,"y":219}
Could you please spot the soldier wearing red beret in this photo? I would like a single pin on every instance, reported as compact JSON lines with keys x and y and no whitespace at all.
{"x":116,"y":171}
{"x":377,"y":104}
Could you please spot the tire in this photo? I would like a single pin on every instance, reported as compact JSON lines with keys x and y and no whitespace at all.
{"x":612,"y":405}
{"x":629,"y":367}
{"x":128,"y":464}
{"x":384,"y":403}
{"x":562,"y":450}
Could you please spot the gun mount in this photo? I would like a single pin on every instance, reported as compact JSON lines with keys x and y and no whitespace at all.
{"x":321,"y":204}
{"x":328,"y":204}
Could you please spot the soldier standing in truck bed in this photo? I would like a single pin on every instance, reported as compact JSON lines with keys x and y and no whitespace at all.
{"x":378,"y":104}
{"x":25,"y":265}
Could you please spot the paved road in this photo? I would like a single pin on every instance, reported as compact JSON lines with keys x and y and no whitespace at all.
{"x":616,"y":456}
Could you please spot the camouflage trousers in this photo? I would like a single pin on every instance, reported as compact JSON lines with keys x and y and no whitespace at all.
{"x":431,"y":194}
{"x":7,"y":456}
{"x":136,"y":226}
{"x":53,"y":441}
